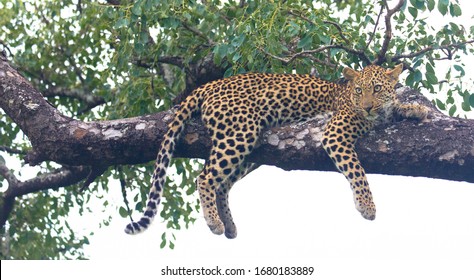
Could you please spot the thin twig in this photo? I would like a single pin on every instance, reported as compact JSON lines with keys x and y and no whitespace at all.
{"x":375,"y":27}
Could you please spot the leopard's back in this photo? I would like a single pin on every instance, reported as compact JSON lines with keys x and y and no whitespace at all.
{"x":270,"y":99}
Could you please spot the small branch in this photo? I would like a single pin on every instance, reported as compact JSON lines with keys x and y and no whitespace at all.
{"x":71,"y":61}
{"x":149,"y":62}
{"x":6,"y":203}
{"x":62,"y":177}
{"x":336,"y":25}
{"x":5,"y":47}
{"x":79,"y":94}
{"x":198,"y":33}
{"x":304,"y":53}
{"x":432,"y":48}
{"x":123,"y":186}
{"x":388,"y":30}
{"x":12,"y":150}
{"x":56,"y":179}
{"x":375,"y":27}
{"x":79,"y":6}
{"x":95,"y":172}
{"x":8,"y":175}
{"x":114,"y":2}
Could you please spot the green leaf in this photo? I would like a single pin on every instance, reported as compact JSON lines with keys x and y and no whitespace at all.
{"x":431,"y":5}
{"x":443,"y":6}
{"x":163,"y":244}
{"x":452,"y":110}
{"x":440,"y":104}
{"x":236,"y":57}
{"x":417,"y":76}
{"x":121,"y":23}
{"x":237,"y":41}
{"x":429,"y":68}
{"x":450,"y":100}
{"x":123,"y":212}
{"x":460,"y":69}
{"x":431,"y":78}
{"x":305,"y":42}
{"x":455,"y":10}
{"x":413,"y":12}
{"x":466,"y":106}
{"x":471,"y":100}
{"x":137,"y":9}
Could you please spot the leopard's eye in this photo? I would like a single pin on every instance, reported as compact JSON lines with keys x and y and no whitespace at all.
{"x":377,"y":88}
{"x":358,"y":90}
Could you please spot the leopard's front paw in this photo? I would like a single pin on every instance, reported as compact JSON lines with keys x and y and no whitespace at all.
{"x":230,"y":231}
{"x":366,"y":208}
{"x":416,"y":112}
{"x":216,"y":226}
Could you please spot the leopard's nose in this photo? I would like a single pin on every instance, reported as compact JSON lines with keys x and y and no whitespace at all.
{"x":368,"y":107}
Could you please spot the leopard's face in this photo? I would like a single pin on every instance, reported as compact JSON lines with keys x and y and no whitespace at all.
{"x":373,"y":90}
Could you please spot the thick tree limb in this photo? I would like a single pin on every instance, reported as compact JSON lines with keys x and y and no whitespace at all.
{"x":441,"y":148}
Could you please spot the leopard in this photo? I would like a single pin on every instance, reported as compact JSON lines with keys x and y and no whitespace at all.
{"x":237,"y":109}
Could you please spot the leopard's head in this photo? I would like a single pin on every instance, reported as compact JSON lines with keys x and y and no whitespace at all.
{"x":373,"y":89}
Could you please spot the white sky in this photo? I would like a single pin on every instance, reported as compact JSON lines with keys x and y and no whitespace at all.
{"x":424,"y":230}
{"x":308,"y":218}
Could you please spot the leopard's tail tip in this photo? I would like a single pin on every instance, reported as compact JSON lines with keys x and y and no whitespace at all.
{"x":134,"y":228}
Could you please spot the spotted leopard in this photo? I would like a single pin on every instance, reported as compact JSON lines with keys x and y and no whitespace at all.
{"x":237,"y":109}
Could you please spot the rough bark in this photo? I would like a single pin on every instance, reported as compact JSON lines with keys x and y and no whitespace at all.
{"x":443,"y":147}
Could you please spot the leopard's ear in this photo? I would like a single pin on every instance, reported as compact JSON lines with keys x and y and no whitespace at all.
{"x":395,"y":72}
{"x":350,"y":74}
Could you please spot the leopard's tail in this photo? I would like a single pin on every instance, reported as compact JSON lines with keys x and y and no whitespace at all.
{"x":186,"y":110}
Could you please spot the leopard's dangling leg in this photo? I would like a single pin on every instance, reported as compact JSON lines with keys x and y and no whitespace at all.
{"x":206,"y":187}
{"x":223,"y":197}
{"x":223,"y":161}
{"x":339,"y":140}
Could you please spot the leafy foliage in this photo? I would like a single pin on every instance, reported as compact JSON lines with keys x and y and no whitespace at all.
{"x":116,"y":59}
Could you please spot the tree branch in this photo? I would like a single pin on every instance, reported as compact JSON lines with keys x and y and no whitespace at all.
{"x":381,"y":58}
{"x":89,"y":99}
{"x":432,"y":48}
{"x":305,"y":53}
{"x":198,"y":33}
{"x":335,"y":24}
{"x":375,"y":26}
{"x":59,"y":178}
{"x":441,"y":148}
{"x":12,"y":150}
{"x":149,"y":62}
